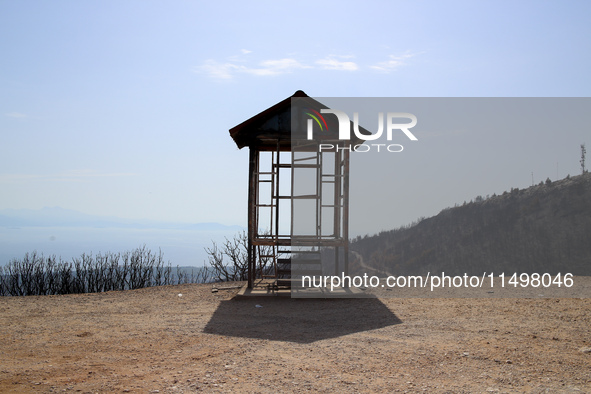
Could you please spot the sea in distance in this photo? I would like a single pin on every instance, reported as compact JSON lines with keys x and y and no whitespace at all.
{"x":179,"y":246}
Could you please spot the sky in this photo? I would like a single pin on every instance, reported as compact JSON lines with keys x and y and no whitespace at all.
{"x":123,"y":108}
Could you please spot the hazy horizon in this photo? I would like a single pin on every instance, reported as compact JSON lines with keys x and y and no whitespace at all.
{"x":68,"y":234}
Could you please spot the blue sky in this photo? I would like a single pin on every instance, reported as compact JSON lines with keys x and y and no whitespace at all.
{"x":122,"y":108}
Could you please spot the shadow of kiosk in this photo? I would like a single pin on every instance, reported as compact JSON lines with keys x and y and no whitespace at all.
{"x":298,"y":320}
{"x":298,"y":195}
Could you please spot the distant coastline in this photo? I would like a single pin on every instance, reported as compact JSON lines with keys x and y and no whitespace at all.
{"x":67,"y":233}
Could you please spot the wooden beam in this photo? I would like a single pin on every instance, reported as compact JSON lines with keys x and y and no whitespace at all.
{"x":252,"y":187}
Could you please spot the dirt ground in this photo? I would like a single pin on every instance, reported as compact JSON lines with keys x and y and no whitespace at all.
{"x":186,"y":338}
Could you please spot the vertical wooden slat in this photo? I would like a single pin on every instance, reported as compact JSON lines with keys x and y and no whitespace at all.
{"x":346,"y":209}
{"x":252,"y":188}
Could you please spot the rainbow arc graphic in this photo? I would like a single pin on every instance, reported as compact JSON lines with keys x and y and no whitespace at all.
{"x":317,"y":117}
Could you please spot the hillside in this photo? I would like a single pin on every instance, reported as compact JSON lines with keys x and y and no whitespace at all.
{"x":544,"y":228}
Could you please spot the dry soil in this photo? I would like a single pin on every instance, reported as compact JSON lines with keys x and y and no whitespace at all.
{"x":186,"y":338}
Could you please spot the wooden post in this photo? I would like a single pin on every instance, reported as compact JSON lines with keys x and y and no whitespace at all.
{"x":346,"y":210}
{"x":252,"y":189}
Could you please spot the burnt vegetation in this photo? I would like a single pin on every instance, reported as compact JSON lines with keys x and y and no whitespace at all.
{"x":229,"y":260}
{"x":544,"y":228}
{"x":36,"y":274}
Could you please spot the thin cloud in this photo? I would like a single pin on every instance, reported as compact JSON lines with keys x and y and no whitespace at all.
{"x":15,"y":115}
{"x":275,"y":67}
{"x":393,"y":63}
{"x":333,"y":64}
{"x":241,"y":64}
{"x":220,"y":70}
{"x":17,"y":177}
{"x":241,"y":57}
{"x":68,"y":176}
{"x":228,"y":70}
{"x":92,"y":174}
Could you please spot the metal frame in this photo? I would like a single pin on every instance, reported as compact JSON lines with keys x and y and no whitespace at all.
{"x":278,"y":244}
